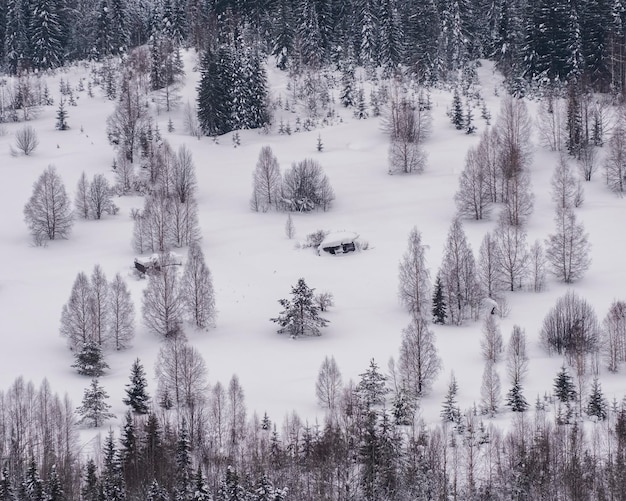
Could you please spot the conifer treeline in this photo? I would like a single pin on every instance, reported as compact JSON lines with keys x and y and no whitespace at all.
{"x":533,"y":41}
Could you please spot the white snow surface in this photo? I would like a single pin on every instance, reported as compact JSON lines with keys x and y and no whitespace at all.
{"x":254,"y":264}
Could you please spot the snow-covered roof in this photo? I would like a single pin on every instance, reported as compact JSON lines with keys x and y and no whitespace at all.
{"x":337,"y":238}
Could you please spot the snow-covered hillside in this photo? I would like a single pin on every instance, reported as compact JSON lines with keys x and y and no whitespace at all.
{"x":254,"y":264}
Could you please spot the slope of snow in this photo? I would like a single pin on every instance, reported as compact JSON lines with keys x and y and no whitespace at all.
{"x":254,"y":264}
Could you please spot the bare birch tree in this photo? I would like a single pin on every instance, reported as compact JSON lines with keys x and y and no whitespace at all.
{"x":567,"y":250}
{"x":328,"y":385}
{"x":162,"y":306}
{"x":491,"y":343}
{"x":473,"y":198}
{"x":490,"y":390}
{"x":122,"y":314}
{"x":516,"y":356}
{"x":48,"y":213}
{"x":414,"y":277}
{"x":419,"y":362}
{"x":81,"y":200}
{"x":511,"y":254}
{"x":99,"y":305}
{"x":488,"y":270}
{"x":197,"y":291}
{"x":537,"y":266}
{"x":76,"y":317}
{"x":266,"y":184}
{"x":566,"y":189}
{"x":615,"y":163}
{"x":613,"y":336}
{"x":458,"y":272}
{"x":99,"y":196}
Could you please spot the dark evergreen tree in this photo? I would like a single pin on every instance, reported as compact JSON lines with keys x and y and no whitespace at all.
{"x":32,"y":485}
{"x":61,"y":123}
{"x":515,"y":398}
{"x":91,"y":486}
{"x":372,"y":387}
{"x":136,"y":390}
{"x":283,"y":38}
{"x":439,"y":302}
{"x":7,"y":492}
{"x":596,"y":404}
{"x":391,"y":37}
{"x":94,"y":407}
{"x":183,"y":487}
{"x":129,"y":452}
{"x":46,"y":32}
{"x":17,"y":35}
{"x":112,"y":477}
{"x":230,"y":489}
{"x":422,"y":31}
{"x":214,"y":93}
{"x":368,"y":43}
{"x":564,"y":388}
{"x":450,"y":412}
{"x":595,"y":24}
{"x":200,"y":487}
{"x":157,"y":493}
{"x":309,"y":35}
{"x":300,"y":316}
{"x":54,"y":489}
{"x":456,"y":113}
{"x":90,"y":360}
{"x":103,"y":45}
{"x":347,"y":85}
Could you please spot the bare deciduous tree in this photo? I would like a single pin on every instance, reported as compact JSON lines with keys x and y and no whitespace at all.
{"x":197,"y":291}
{"x":406,"y":120}
{"x":183,"y":174}
{"x":491,"y":343}
{"x":587,"y":161}
{"x":99,"y":304}
{"x":566,"y":189}
{"x":328,"y":385}
{"x":290,"y":229}
{"x":551,"y":123}
{"x":458,"y":273}
{"x":518,"y":199}
{"x":490,"y":390}
{"x":567,"y":250}
{"x":419,"y":362}
{"x":26,"y":140}
{"x":48,"y":213}
{"x":511,"y":254}
{"x":615,"y":163}
{"x":162,"y":306}
{"x":76,"y":317}
{"x":181,"y":371}
{"x":571,"y":328}
{"x":128,"y":121}
{"x":614,"y":335}
{"x":100,"y":199}
{"x":125,"y":176}
{"x":266,"y":184}
{"x":236,"y":412}
{"x":305,"y":187}
{"x":122,"y":314}
{"x":516,"y":357}
{"x":513,"y":128}
{"x":537,"y":266}
{"x":406,"y":157}
{"x":473,"y":198}
{"x":81,"y":200}
{"x":488,"y":270}
{"x":414,"y":277}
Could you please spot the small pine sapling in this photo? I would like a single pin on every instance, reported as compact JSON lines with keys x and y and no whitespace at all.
{"x":439,"y":303}
{"x":170,"y":126}
{"x":320,"y":145}
{"x":61,"y":123}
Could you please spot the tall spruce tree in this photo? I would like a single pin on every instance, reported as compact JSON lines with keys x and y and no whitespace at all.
{"x":47,"y":50}
{"x":137,"y":397}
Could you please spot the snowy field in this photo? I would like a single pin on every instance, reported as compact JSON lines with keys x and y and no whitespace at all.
{"x":254,"y":264}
